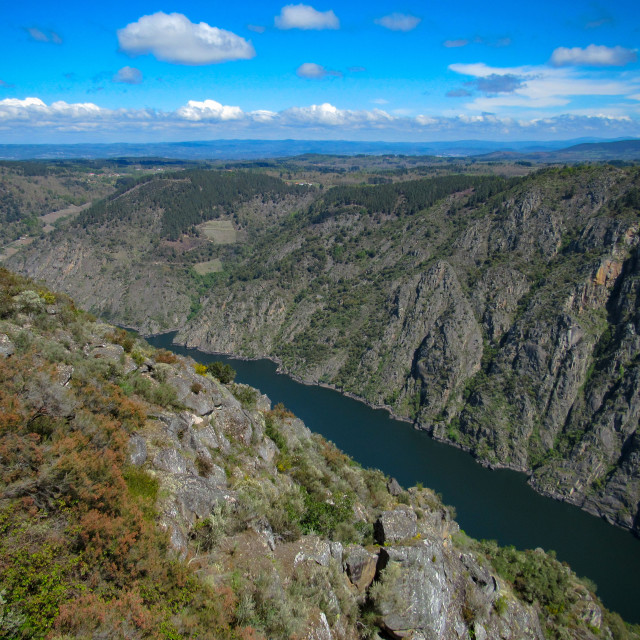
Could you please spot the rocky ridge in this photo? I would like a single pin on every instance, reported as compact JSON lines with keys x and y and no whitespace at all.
{"x":254,"y":510}
{"x":501,"y":319}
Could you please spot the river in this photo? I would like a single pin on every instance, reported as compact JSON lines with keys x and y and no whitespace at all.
{"x":497,"y":505}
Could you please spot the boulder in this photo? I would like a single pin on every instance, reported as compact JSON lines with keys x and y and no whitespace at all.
{"x":396,"y":525}
{"x":393,"y":487}
{"x":6,"y":346}
{"x":112,"y":352}
{"x":64,"y":373}
{"x":314,"y":549}
{"x":361,"y":567}
{"x":200,"y":394}
{"x":416,"y":595}
{"x":137,"y":450}
{"x":171,"y":461}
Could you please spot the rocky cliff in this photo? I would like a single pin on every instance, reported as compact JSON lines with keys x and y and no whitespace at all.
{"x":500,"y":315}
{"x":141,"y":497}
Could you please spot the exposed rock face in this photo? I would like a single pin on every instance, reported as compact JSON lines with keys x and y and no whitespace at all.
{"x":515,"y":337}
{"x":361,"y":567}
{"x":274,"y":533}
{"x":6,"y":346}
{"x":417,"y":597}
{"x":507,"y":325}
{"x":396,"y":525}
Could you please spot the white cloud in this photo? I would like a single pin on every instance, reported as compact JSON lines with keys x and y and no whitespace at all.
{"x":303,"y":16}
{"x":593,"y":56}
{"x":311,"y":70}
{"x":539,"y":87}
{"x":328,"y":115}
{"x":128,"y":75}
{"x":263,"y":116}
{"x":174,"y":38}
{"x":399,"y":22}
{"x":481,"y":70}
{"x":315,"y":71}
{"x":209,"y":110}
{"x":380,"y":101}
{"x":24,"y":120}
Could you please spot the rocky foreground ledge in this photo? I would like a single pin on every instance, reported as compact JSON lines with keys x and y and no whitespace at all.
{"x":142,"y":497}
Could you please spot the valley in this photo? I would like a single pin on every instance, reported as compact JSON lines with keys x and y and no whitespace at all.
{"x":496,"y":312}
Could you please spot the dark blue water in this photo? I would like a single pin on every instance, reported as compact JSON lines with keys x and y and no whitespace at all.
{"x":497,"y":505}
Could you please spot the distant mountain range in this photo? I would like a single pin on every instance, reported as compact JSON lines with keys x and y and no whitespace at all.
{"x":595,"y":151}
{"x":583,"y":148}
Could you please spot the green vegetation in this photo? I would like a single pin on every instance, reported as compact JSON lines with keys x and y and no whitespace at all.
{"x":186,"y":198}
{"x":224,"y":372}
{"x":81,"y":552}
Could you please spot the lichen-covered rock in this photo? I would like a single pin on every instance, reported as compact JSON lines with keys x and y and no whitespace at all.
{"x":171,"y":461}
{"x":393,"y":487}
{"x":198,"y":393}
{"x":6,"y":346}
{"x":113,"y":352}
{"x":137,"y":450}
{"x":361,"y":566}
{"x":416,"y":595}
{"x":396,"y":525}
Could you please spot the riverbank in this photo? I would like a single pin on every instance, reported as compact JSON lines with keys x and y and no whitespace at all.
{"x":497,"y":505}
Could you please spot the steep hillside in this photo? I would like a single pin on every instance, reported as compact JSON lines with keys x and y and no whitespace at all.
{"x":29,"y":190}
{"x":130,"y":257}
{"x":145,"y":496}
{"x":504,"y":321}
{"x":499,"y":314}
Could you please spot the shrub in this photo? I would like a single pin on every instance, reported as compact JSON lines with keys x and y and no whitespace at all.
{"x":246,"y":395}
{"x":224,"y":372}
{"x":203,"y":465}
{"x":166,"y":357}
{"x":123,"y":338}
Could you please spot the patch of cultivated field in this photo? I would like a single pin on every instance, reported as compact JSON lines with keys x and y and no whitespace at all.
{"x":211,"y":266}
{"x":220,"y":231}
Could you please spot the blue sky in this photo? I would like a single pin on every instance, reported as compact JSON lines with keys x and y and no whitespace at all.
{"x":375,"y":70}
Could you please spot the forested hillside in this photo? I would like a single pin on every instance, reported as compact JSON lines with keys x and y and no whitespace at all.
{"x":498,"y":313}
{"x":29,"y":190}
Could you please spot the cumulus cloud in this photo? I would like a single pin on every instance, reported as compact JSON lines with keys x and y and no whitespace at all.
{"x":593,"y":56}
{"x":43,"y":35}
{"x":327,"y":115}
{"x":315,"y":71}
{"x":23,"y":119}
{"x":209,"y":110}
{"x":128,"y":75}
{"x":303,"y":16}
{"x":174,"y":38}
{"x":35,"y":111}
{"x":399,"y":22}
{"x":451,"y":44}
